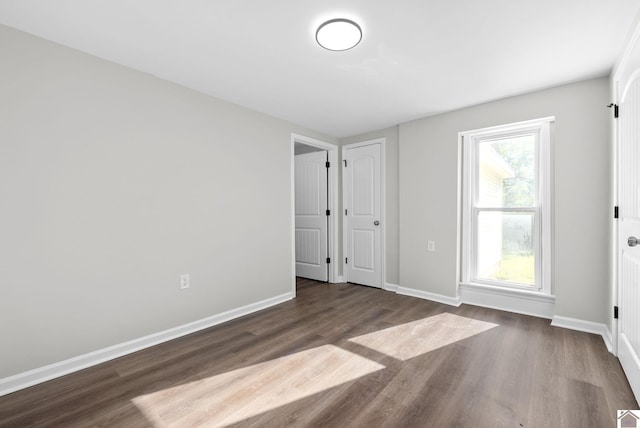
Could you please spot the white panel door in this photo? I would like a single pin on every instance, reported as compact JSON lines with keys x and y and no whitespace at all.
{"x":311,"y":216}
{"x":363,"y":209}
{"x":628,"y":257}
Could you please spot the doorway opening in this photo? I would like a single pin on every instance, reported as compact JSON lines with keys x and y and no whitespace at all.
{"x":314,"y":204}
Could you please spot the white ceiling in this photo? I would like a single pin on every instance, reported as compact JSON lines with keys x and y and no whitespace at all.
{"x":417,"y":57}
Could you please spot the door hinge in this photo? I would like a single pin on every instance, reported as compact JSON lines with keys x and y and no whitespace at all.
{"x":616,"y":212}
{"x":615,"y":312}
{"x":346,"y":261}
{"x":345,"y":211}
{"x":328,"y":164}
{"x":616,"y":110}
{"x":328,"y":260}
{"x":345,"y":163}
{"x":328,"y":212}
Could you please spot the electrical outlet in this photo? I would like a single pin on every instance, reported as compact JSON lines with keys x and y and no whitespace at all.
{"x":184,"y":281}
{"x":431,"y":245}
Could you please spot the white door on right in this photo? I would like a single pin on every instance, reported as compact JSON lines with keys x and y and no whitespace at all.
{"x":363,"y":214}
{"x":628,"y":162}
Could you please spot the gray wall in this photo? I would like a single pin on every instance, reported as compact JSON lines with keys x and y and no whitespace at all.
{"x":392,"y":237}
{"x":581,"y":206}
{"x":113,"y":183}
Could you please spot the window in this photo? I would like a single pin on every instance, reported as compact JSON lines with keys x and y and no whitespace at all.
{"x":505,"y":206}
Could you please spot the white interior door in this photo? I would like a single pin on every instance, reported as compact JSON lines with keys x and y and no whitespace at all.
{"x":311,"y":215}
{"x":363,"y":214}
{"x":628,"y":257}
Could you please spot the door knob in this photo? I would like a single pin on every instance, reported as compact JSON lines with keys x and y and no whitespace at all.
{"x":633,"y":241}
{"x":376,"y":223}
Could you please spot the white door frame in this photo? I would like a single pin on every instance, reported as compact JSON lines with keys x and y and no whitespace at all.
{"x":332,"y":204}
{"x":382,"y":143}
{"x":614,"y":226}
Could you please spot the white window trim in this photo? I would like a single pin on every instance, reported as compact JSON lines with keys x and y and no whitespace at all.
{"x":468,"y":145}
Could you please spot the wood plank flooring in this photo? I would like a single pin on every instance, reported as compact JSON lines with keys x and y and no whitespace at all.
{"x":342,"y":356}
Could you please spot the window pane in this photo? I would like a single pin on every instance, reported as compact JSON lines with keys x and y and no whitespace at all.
{"x":507,"y":172}
{"x":505,"y":247}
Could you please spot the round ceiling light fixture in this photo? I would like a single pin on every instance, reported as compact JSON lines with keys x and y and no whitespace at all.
{"x":339,"y":34}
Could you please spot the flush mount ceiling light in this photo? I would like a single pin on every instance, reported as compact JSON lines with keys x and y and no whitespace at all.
{"x":339,"y":34}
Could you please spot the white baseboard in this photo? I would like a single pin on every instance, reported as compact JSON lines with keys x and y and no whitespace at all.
{"x":340,"y":280}
{"x":608,"y":339}
{"x":541,"y":306}
{"x":537,"y":305}
{"x":447,"y":300}
{"x":630,"y":364}
{"x":42,"y":374}
{"x":391,"y":287}
{"x":586,"y":326}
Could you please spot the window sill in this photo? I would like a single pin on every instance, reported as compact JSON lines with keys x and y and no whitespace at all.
{"x":509,"y":290}
{"x":508,"y":299}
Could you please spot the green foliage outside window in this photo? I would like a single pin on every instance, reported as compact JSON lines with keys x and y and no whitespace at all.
{"x":519,"y":154}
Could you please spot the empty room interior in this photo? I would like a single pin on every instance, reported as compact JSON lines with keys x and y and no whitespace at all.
{"x":340,"y":213}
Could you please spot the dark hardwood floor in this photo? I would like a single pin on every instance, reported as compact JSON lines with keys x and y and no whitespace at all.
{"x":346,"y":355}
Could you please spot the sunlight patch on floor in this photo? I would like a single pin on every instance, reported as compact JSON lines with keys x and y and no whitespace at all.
{"x":415,"y":338}
{"x":233,"y":396}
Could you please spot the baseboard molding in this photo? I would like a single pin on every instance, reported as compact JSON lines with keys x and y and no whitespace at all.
{"x":630,"y":364}
{"x":451,"y":301}
{"x":537,"y":305}
{"x":607,"y":336}
{"x":340,"y":280}
{"x":541,"y":306}
{"x":42,"y":374}
{"x":585,"y":326}
{"x":391,"y":287}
